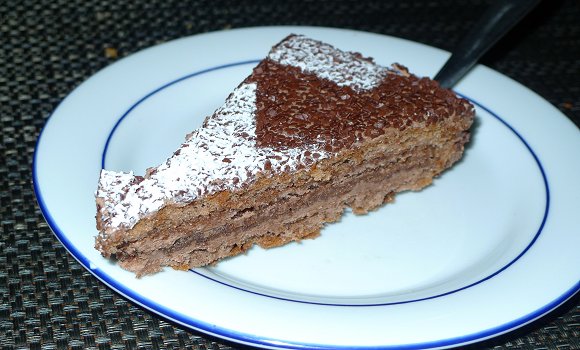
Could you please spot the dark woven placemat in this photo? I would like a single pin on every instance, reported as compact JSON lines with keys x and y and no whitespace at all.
{"x":47,"y":48}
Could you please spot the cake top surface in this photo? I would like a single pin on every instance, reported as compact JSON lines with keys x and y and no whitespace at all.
{"x":303,"y":103}
{"x":310,"y":93}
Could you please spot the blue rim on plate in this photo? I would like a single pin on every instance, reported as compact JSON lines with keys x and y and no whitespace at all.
{"x":250,"y":339}
{"x":248,"y":62}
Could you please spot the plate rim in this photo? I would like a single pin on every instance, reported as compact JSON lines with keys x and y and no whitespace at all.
{"x":250,"y":339}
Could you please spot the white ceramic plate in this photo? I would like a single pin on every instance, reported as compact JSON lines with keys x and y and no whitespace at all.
{"x":491,"y":246}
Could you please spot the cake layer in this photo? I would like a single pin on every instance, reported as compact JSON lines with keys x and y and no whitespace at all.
{"x":272,"y":212}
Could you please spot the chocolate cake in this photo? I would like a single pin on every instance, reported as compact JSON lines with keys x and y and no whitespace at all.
{"x":313,"y":130}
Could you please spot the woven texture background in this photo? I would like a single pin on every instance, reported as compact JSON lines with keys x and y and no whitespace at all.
{"x":47,"y":48}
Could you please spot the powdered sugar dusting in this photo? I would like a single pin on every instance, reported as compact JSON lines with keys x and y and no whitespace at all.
{"x":220,"y":155}
{"x":326,"y":62}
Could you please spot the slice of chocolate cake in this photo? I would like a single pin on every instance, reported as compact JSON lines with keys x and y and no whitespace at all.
{"x":312,"y":131}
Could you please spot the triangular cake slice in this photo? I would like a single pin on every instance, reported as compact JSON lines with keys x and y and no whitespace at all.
{"x":312,"y":131}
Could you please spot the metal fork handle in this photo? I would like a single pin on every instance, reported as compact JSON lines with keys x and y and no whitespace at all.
{"x":495,"y":23}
